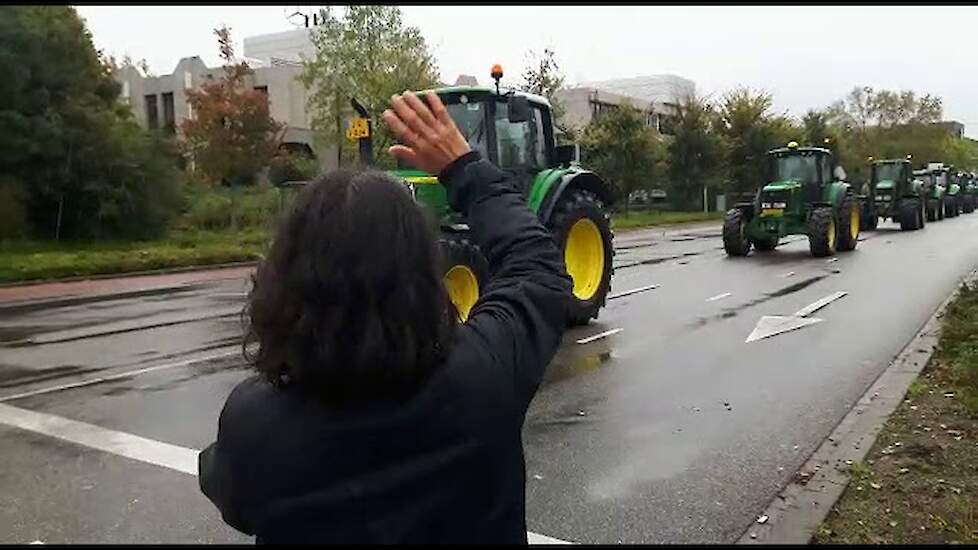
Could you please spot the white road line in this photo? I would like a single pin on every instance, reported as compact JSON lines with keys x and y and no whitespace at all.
{"x":150,"y":451}
{"x":632,"y":291}
{"x":131,"y":446}
{"x":599,"y":336}
{"x":719,"y":297}
{"x":127,"y":374}
{"x":819,"y":304}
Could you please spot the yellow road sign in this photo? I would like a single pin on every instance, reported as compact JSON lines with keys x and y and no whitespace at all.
{"x":357,"y":128}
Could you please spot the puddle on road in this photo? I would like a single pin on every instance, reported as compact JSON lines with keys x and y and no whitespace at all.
{"x":574,"y":359}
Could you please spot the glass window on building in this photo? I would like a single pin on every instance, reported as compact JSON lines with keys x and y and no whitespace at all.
{"x":152,"y":112}
{"x":169,"y":118}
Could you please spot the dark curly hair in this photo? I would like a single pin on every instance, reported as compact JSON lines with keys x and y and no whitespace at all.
{"x":349,"y":303}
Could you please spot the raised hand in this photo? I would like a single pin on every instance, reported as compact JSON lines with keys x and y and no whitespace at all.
{"x":430,"y":139}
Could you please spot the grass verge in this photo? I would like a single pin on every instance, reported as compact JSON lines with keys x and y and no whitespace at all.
{"x":652,"y":218}
{"x":919,"y":483}
{"x":31,"y":261}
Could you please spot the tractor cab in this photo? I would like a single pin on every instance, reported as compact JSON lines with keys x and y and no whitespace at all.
{"x":798,"y":176}
{"x":890,"y":179}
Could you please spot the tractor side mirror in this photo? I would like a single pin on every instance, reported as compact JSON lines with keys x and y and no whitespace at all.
{"x":839,"y":173}
{"x":518,"y":108}
{"x":567,"y":154}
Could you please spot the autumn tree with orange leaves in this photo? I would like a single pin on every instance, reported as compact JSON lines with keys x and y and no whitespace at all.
{"x":230,"y":135}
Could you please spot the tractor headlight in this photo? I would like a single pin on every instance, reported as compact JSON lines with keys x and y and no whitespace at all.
{"x":766,"y":205}
{"x":779,"y":205}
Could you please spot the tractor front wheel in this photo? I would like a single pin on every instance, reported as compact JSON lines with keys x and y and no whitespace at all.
{"x":583,"y":231}
{"x":735,"y":240}
{"x":822,"y":232}
{"x":848,"y":224}
{"x":931,"y":210}
{"x":765,"y":245}
{"x":909,"y":213}
{"x":466,"y":273}
{"x":941,"y":209}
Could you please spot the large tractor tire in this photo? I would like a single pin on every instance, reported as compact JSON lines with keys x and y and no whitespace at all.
{"x":848,"y":223}
{"x":932,"y":210}
{"x":582,"y":230}
{"x":951,"y":208}
{"x":968,"y":205}
{"x":909,"y":215}
{"x":466,"y":273}
{"x":822,"y":232}
{"x":921,"y":212}
{"x":735,"y":240}
{"x":941,"y":209}
{"x":765,"y":245}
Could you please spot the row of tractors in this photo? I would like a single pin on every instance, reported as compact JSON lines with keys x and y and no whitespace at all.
{"x":807,"y":193}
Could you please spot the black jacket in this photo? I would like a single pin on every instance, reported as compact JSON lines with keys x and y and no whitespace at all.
{"x":444,"y":466}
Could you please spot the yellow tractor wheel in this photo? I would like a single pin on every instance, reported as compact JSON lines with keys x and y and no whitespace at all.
{"x":583,"y":230}
{"x":466,"y":272}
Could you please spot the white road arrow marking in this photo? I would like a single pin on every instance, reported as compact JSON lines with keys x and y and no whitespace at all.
{"x":819,"y":304}
{"x":719,"y":297}
{"x":772,"y":325}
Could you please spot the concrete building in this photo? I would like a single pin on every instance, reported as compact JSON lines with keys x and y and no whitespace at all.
{"x":279,"y":47}
{"x":656,"y":95}
{"x":160,"y":102}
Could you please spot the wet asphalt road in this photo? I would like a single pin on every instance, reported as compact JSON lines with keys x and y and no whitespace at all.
{"x":671,"y":430}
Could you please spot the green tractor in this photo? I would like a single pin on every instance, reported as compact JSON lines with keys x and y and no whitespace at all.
{"x":935,"y":191}
{"x":966,"y":197}
{"x":894,"y":193}
{"x":969,"y":189}
{"x":806,"y":194}
{"x":515,"y":131}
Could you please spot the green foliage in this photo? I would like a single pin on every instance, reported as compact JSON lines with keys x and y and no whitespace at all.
{"x":623,"y":149}
{"x":697,"y":151}
{"x":221,"y":208}
{"x":751,"y":131}
{"x":292,"y":167}
{"x":85,"y":168}
{"x":42,"y":260}
{"x":654,"y":218}
{"x":370,"y":54}
{"x":13,"y":214}
{"x":231,"y":135}
{"x":959,"y":343}
{"x":542,"y":76}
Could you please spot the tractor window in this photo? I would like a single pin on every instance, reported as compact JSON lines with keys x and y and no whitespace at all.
{"x":801,"y":168}
{"x":470,"y":117}
{"x":888,"y":172}
{"x":827,"y":175}
{"x":521,"y":144}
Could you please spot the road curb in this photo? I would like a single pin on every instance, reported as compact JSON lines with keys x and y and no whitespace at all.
{"x":795,"y":514}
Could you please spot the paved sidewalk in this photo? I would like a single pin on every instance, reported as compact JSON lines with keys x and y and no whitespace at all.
{"x":112,"y":285}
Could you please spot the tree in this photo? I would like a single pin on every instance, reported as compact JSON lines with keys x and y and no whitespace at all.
{"x":76,"y":157}
{"x":751,"y":132}
{"x":370,"y":54}
{"x":623,"y":149}
{"x":542,"y":76}
{"x":231,"y":136}
{"x":696,"y":152}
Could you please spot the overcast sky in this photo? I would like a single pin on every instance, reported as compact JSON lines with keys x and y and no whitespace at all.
{"x":805,"y":56}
